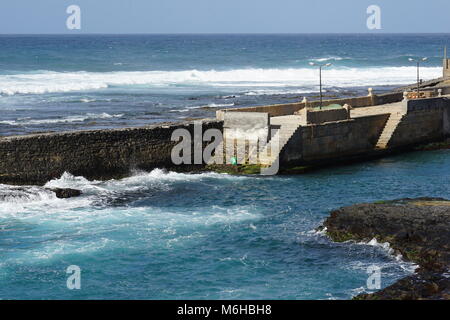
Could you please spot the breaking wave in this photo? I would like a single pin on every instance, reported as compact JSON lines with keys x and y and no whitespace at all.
{"x":99,"y":194}
{"x":52,"y":82}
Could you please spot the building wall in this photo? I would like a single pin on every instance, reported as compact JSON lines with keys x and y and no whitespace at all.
{"x":98,"y":154}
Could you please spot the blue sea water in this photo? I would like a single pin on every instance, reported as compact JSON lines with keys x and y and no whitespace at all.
{"x":165,"y":235}
{"x":57,"y":83}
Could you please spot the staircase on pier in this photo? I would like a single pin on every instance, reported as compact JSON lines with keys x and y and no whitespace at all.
{"x":288,"y":125}
{"x":391,"y":125}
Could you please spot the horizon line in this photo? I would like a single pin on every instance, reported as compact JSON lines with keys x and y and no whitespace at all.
{"x":76,"y":33}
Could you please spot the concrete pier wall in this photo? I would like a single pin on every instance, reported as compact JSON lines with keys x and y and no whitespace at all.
{"x":334,"y":139}
{"x":98,"y":154}
{"x":105,"y":154}
{"x":426,"y":120}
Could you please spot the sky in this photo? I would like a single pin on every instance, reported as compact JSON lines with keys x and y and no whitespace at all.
{"x":224,"y":16}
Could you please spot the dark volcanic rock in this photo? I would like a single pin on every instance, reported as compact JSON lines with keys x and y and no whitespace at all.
{"x":419,"y":229}
{"x":420,"y":286}
{"x":66,"y":193}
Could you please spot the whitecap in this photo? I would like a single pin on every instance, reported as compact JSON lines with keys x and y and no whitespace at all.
{"x":51,"y":82}
{"x":68,"y":119}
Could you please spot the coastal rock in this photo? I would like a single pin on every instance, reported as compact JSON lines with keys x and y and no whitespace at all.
{"x":418,"y":229}
{"x":420,"y":286}
{"x":64,"y":193}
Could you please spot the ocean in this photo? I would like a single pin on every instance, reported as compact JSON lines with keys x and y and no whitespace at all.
{"x":167,"y":235}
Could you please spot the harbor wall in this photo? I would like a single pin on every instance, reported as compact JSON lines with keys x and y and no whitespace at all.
{"x":426,"y":120}
{"x":334,"y":140}
{"x":115,"y":153}
{"x":96,"y":154}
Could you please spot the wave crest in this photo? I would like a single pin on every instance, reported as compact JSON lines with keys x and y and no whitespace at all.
{"x":52,"y":82}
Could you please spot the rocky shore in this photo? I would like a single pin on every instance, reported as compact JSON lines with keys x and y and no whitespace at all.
{"x":418,"y":229}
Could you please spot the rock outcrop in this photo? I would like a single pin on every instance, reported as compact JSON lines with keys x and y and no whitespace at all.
{"x":64,"y":193}
{"x":418,"y":229}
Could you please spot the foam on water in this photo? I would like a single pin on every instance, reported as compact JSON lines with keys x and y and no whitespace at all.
{"x":89,"y":223}
{"x":51,"y":82}
{"x":68,"y":119}
{"x":68,"y":180}
{"x":17,"y":195}
{"x":42,"y":202}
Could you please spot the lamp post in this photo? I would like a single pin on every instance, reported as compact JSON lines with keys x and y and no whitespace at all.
{"x":320,"y":76}
{"x":418,"y":61}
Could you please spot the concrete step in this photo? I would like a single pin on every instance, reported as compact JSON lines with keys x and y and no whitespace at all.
{"x":388,"y":130}
{"x":287,"y":128}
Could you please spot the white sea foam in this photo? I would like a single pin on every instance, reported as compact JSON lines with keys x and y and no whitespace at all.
{"x":39,"y":203}
{"x":68,"y":180}
{"x":317,"y":232}
{"x":218,"y":105}
{"x":211,"y":105}
{"x":331,"y":58}
{"x":68,"y":119}
{"x":18,"y":195}
{"x":48,"y":81}
{"x":86,"y":100}
{"x":268,"y":92}
{"x":386,"y":247}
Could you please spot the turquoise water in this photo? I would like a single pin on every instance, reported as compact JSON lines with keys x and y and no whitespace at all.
{"x":160,"y":235}
{"x":58,"y":83}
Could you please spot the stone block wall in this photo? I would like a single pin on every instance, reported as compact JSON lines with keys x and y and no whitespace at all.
{"x":321,"y":116}
{"x":97,"y":154}
{"x":274,"y":110}
{"x":387,"y":98}
{"x":335,"y":139}
{"x":424,"y":122}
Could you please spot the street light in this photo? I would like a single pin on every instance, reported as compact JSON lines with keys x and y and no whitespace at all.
{"x":418,"y":61}
{"x":320,"y":76}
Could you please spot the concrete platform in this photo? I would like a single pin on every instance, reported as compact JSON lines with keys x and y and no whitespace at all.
{"x":374,"y":110}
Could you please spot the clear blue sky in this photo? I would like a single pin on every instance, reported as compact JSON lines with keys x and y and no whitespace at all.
{"x":224,"y":16}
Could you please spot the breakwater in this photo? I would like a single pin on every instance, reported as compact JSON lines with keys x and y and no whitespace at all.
{"x":310,"y":138}
{"x":96,"y":154}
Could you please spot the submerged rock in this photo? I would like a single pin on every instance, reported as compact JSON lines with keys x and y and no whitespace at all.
{"x":64,"y":193}
{"x":418,"y":229}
